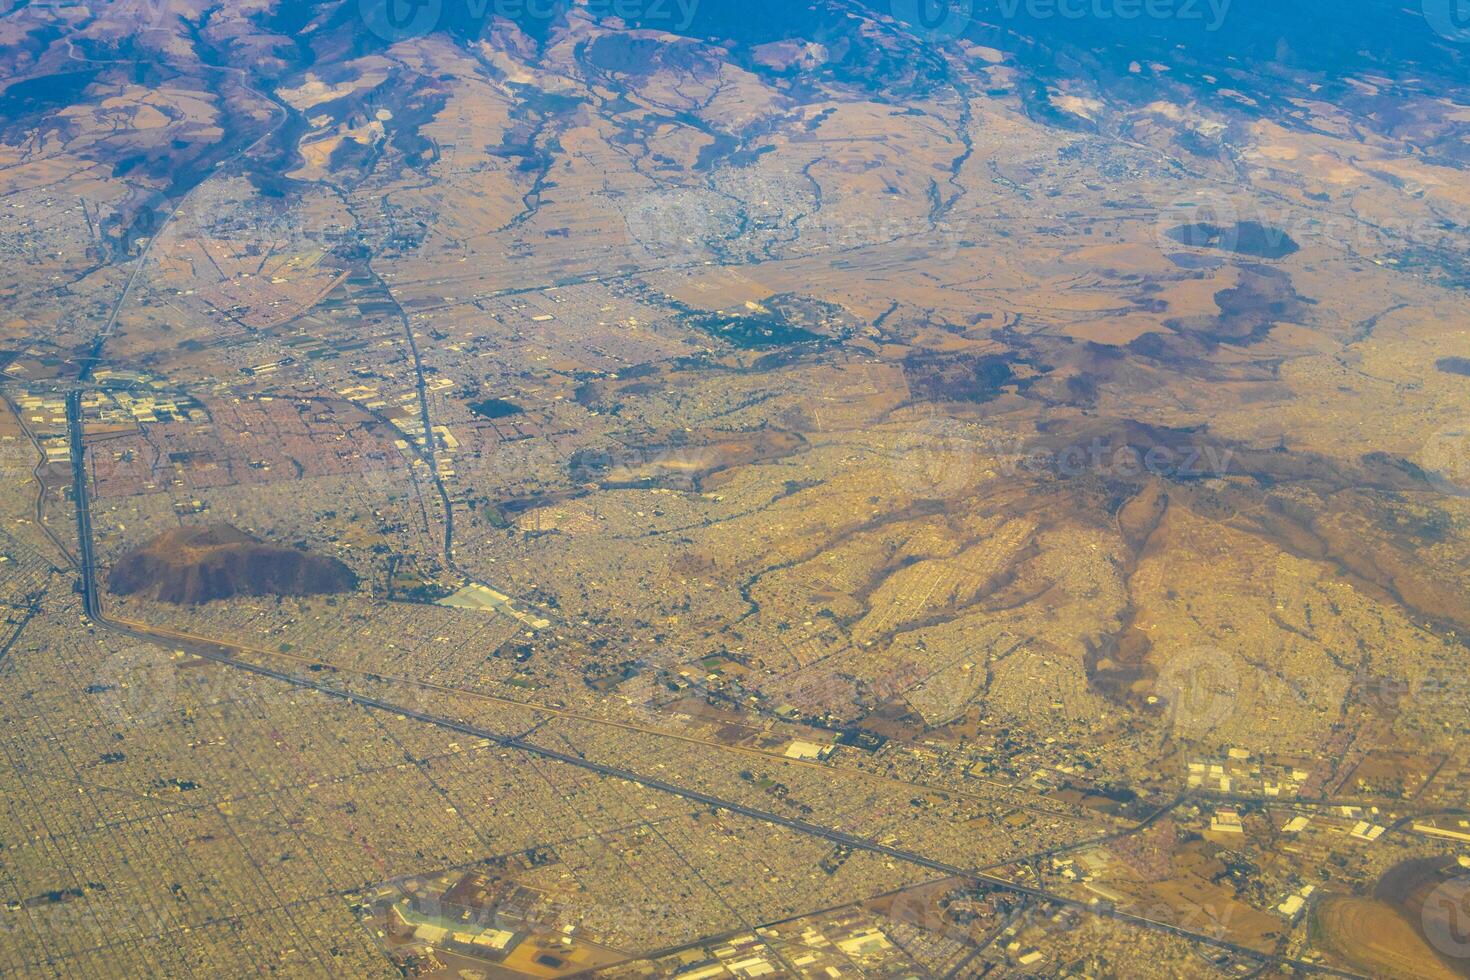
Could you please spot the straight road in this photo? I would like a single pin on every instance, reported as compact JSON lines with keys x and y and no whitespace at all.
{"x":222,"y":654}
{"x":86,"y":561}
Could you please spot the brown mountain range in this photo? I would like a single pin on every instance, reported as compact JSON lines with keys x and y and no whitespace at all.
{"x":192,"y":565}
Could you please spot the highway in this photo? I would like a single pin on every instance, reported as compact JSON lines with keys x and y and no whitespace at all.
{"x":221,"y":653}
{"x":429,"y":451}
{"x":86,"y":560}
{"x":181,"y":639}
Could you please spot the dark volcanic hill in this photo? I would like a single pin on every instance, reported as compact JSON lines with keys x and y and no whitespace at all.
{"x":190,"y":565}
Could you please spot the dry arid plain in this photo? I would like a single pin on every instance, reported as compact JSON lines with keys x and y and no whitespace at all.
{"x":711,"y":490}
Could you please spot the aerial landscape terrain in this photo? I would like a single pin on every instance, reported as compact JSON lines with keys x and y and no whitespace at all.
{"x":714,"y":489}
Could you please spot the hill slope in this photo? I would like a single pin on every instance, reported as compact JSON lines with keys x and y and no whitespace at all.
{"x":192,"y":565}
